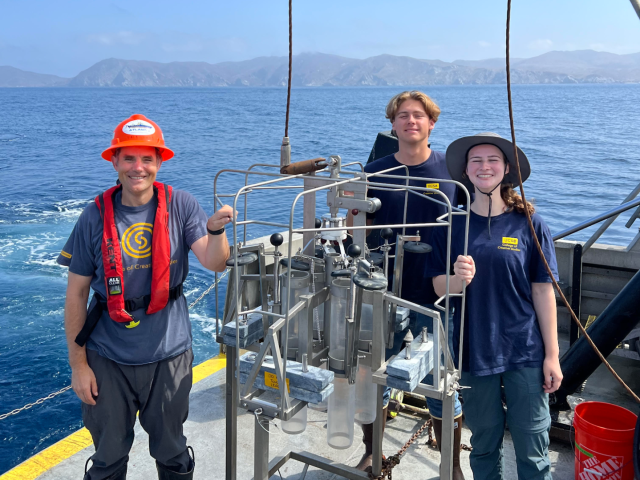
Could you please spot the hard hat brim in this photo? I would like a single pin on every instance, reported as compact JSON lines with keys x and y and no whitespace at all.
{"x":166,"y":153}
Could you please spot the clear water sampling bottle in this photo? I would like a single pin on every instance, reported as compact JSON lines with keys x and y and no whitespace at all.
{"x":339,"y":294}
{"x":299,"y":286}
{"x":366,"y":390}
{"x":366,"y":396}
{"x":297,"y":424}
{"x":342,"y":406}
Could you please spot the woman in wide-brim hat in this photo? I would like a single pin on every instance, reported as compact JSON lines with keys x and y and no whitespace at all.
{"x":510,"y":326}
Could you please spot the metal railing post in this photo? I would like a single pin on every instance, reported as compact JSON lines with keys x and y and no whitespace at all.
{"x":576,"y":290}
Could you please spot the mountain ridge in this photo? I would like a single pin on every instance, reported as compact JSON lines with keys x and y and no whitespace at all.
{"x":319,"y":69}
{"x":14,"y":77}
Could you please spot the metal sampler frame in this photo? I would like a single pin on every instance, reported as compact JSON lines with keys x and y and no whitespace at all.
{"x":316,"y":351}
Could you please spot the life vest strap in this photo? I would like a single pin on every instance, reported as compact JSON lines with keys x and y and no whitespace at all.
{"x":131,"y":305}
{"x":112,"y":255}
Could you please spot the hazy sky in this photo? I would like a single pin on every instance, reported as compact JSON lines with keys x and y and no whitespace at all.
{"x":65,"y":37}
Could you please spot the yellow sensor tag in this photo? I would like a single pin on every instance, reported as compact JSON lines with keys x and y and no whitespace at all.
{"x":271,"y":381}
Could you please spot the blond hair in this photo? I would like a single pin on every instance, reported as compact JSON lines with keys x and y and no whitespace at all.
{"x":430,"y":107}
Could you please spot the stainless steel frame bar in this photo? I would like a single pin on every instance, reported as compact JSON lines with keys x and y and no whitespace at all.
{"x":592,"y":221}
{"x":261,"y":448}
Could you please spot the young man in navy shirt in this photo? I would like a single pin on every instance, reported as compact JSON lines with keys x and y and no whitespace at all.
{"x":413,"y":116}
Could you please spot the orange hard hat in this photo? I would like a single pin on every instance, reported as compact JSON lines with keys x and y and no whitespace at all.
{"x":138,"y":131}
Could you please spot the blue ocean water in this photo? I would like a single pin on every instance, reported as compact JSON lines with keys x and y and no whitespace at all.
{"x":581,"y":140}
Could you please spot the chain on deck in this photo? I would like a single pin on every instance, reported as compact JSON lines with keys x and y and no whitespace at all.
{"x":37,"y":402}
{"x":388,"y":464}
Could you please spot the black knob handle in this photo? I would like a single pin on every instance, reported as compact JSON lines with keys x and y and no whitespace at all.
{"x":386,"y":233}
{"x":276,"y":239}
{"x":318,"y":223}
{"x":354,"y":251}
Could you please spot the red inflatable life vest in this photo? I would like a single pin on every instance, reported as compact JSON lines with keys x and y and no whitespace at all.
{"x":112,"y":255}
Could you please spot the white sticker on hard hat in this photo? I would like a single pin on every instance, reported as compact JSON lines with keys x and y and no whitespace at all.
{"x":138,"y":127}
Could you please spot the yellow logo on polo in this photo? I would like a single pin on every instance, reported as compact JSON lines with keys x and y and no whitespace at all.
{"x":433,"y":186}
{"x":132,"y":324}
{"x":136,"y":240}
{"x":509,"y":243}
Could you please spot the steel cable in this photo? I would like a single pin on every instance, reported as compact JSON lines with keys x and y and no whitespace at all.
{"x":531,"y":227}
{"x":286,"y":123}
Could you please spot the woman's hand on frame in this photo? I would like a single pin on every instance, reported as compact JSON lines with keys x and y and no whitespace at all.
{"x":464,"y":268}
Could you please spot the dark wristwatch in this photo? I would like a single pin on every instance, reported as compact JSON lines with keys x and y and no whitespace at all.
{"x":215,"y":232}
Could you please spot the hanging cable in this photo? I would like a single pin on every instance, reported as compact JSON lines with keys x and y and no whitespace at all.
{"x":636,"y":6}
{"x":286,"y":123}
{"x":285,"y":149}
{"x":533,"y":231}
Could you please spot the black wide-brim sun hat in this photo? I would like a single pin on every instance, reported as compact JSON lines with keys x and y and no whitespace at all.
{"x":458,"y":150}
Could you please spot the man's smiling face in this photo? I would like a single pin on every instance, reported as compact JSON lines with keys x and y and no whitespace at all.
{"x":411,"y":123}
{"x":137,"y":168}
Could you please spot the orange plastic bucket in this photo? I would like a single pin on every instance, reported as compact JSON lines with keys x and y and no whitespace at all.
{"x":604,"y":441}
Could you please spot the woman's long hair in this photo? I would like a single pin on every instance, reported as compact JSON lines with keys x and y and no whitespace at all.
{"x":513,"y":200}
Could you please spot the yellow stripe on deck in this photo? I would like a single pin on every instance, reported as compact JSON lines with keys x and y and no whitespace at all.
{"x":50,"y":457}
{"x":208,"y":368}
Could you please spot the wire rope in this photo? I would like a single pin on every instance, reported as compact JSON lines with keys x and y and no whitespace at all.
{"x":286,"y":123}
{"x":531,"y":227}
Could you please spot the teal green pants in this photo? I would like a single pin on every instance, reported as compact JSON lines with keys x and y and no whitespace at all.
{"x":527,"y":415}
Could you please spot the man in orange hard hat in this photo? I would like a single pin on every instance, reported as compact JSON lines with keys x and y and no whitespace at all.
{"x":130,"y":351}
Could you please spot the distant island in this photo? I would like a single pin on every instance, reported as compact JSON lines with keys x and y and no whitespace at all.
{"x":319,"y":69}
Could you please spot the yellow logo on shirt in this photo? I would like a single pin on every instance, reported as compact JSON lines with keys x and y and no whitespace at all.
{"x":132,"y":324}
{"x":433,"y":186}
{"x":509,"y":243}
{"x":136,"y":240}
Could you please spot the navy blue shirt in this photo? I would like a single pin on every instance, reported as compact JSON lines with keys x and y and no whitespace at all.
{"x":163,"y":334}
{"x":501,"y":327}
{"x":415,"y":287}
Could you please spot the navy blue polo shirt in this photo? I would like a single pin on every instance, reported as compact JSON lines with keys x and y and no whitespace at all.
{"x":501,"y":327}
{"x":415,"y":287}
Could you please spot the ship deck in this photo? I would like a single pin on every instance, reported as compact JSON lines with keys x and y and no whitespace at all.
{"x":205,"y":430}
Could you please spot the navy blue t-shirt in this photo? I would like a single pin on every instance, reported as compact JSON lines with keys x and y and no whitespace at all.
{"x":415,"y":287}
{"x":163,"y":334}
{"x":501,"y":328}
